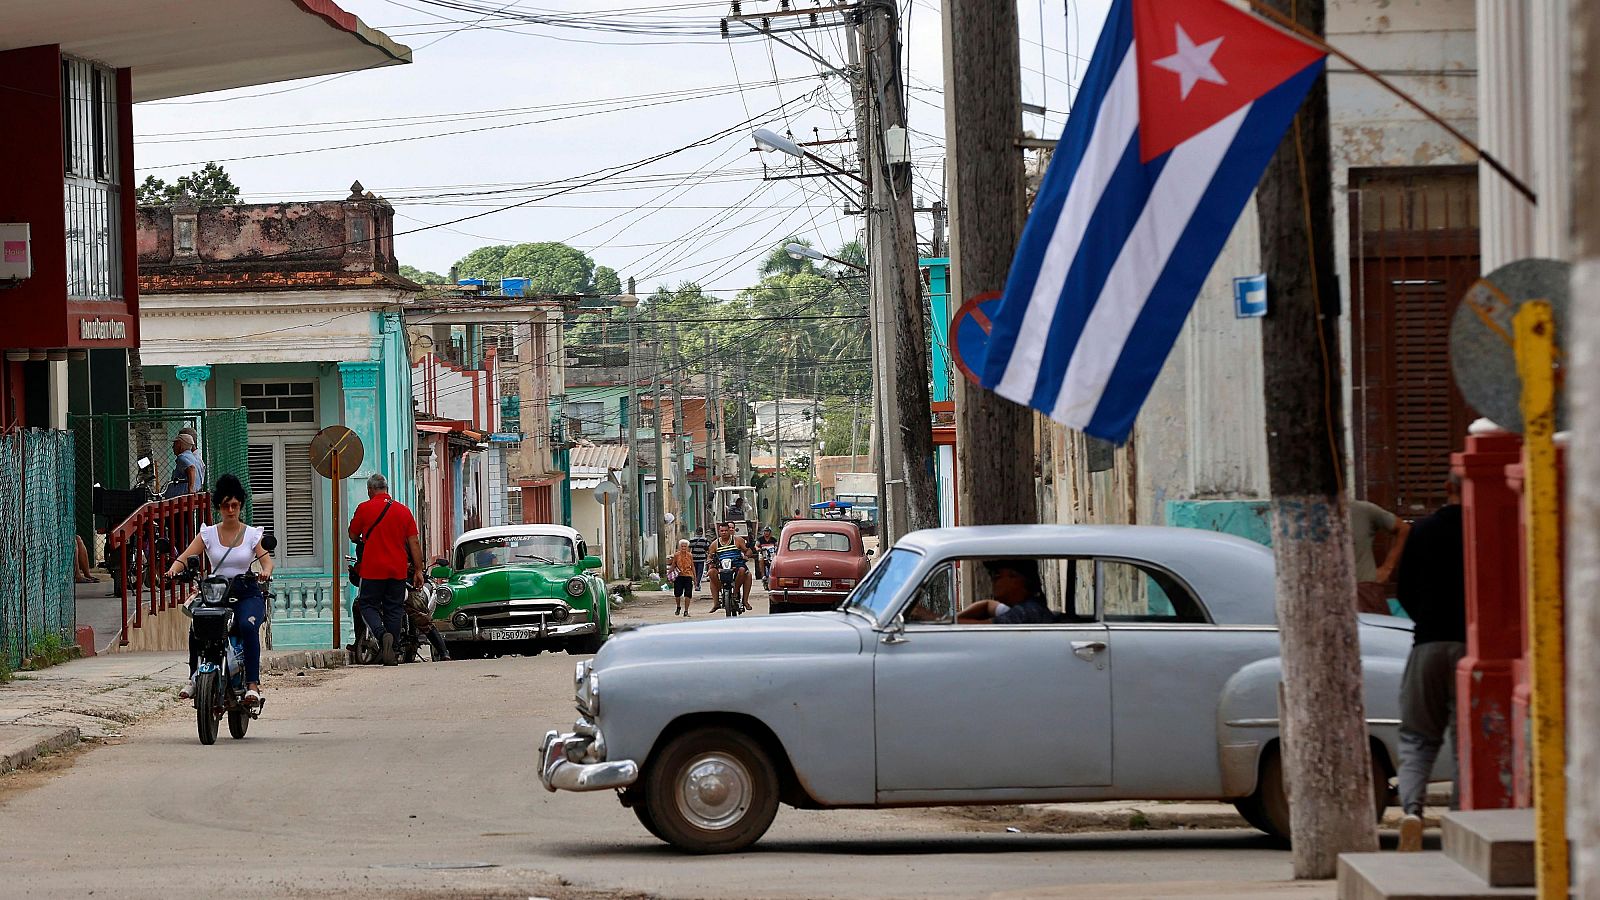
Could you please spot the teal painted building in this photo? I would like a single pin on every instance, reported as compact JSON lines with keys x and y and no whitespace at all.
{"x":233,"y":320}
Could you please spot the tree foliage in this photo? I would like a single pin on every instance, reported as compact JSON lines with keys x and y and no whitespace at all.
{"x":606,"y":281}
{"x":208,"y":185}
{"x":412,"y":273}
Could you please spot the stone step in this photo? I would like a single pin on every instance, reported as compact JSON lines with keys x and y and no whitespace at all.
{"x":1494,"y":844}
{"x":1414,"y":876}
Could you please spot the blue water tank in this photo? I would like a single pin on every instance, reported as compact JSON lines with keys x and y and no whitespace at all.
{"x":515,"y":287}
{"x":471,"y":282}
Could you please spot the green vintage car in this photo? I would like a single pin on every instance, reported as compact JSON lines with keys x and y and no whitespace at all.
{"x":520,"y":589}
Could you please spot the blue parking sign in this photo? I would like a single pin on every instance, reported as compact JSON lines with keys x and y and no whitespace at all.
{"x":1250,"y":296}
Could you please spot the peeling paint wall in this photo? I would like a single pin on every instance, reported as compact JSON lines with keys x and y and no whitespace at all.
{"x":356,"y":234}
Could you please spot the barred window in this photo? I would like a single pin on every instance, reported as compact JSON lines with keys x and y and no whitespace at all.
{"x":92,"y":189}
{"x":278,"y":402}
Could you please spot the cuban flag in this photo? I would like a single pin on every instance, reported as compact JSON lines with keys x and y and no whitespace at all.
{"x":1182,"y":107}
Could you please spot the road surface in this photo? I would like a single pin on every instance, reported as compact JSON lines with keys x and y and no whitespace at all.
{"x":420,"y":781}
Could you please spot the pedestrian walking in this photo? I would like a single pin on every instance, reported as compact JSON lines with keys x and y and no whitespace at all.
{"x":388,"y":556}
{"x":1432,"y":589}
{"x":1374,"y":581}
{"x":699,"y":549}
{"x":682,"y":581}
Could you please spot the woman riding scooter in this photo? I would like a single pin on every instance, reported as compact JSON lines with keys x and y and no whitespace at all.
{"x":230,"y":547}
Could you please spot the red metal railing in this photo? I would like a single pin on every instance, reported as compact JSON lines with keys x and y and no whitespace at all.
{"x":134,"y":544}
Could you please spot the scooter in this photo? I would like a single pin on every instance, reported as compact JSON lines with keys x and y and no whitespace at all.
{"x":768,"y":552}
{"x":219,"y":686}
{"x":365,"y":651}
{"x":729,"y":598}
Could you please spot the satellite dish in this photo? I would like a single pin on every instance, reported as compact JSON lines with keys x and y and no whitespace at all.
{"x":1482,"y":356}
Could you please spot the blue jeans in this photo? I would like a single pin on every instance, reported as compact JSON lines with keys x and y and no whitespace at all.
{"x":383,"y":606}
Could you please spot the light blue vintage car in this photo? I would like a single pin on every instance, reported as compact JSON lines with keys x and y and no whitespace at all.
{"x":1158,"y":680}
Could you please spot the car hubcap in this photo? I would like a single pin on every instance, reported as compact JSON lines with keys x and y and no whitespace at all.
{"x":714,"y":792}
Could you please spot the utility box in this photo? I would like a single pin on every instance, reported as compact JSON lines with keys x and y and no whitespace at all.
{"x":16,"y":251}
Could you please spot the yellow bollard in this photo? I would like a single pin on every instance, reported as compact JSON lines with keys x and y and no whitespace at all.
{"x":1535,"y":346}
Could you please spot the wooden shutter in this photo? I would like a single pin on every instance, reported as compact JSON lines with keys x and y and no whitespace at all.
{"x":299,"y":501}
{"x":261,"y":460}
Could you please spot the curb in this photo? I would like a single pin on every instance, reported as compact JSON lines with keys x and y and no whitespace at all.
{"x":299,"y":660}
{"x":17,"y":753}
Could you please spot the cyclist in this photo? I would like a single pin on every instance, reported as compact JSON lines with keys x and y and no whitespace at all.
{"x":731,"y":547}
{"x":763,"y":542}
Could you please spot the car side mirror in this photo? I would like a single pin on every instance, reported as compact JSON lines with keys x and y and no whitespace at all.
{"x":896,"y":632}
{"x":440,"y":572}
{"x":590,"y":562}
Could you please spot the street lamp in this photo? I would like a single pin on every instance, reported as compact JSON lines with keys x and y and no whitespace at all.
{"x":770,"y":140}
{"x":801,"y":251}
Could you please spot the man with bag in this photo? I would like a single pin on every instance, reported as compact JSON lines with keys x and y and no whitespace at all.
{"x":388,"y":556}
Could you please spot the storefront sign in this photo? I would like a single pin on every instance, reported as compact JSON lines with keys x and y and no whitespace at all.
{"x":101,"y":330}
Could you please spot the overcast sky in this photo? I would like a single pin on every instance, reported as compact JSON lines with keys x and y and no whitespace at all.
{"x":547,"y":105}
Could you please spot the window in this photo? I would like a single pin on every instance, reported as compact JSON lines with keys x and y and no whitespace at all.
{"x":279,"y":402}
{"x":514,"y":505}
{"x":283,"y":493}
{"x":882,"y":586}
{"x":154,"y":396}
{"x":515,"y":549}
{"x":90,"y":168}
{"x":1065,"y":582}
{"x":820,"y":540}
{"x":586,"y":416}
{"x":938,"y":599}
{"x":1132,"y":592}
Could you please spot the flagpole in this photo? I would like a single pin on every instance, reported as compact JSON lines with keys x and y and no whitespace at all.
{"x":1314,"y":40}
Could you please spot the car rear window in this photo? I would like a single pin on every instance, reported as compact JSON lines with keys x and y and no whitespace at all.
{"x":820,"y":540}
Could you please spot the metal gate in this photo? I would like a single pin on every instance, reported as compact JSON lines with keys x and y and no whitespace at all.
{"x":36,"y":514}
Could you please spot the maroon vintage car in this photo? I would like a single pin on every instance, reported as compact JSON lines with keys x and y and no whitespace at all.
{"x":819,"y":561}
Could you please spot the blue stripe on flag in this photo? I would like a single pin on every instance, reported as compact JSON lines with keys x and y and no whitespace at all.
{"x":1175,"y":291}
{"x":1116,"y":40}
{"x":1107,"y":231}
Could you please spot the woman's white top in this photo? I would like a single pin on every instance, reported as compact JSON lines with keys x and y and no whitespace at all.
{"x":237,"y":561}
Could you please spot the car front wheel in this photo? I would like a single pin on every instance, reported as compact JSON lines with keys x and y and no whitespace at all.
{"x":711,"y":790}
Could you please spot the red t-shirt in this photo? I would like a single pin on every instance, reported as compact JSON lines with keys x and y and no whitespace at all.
{"x":384,"y":555}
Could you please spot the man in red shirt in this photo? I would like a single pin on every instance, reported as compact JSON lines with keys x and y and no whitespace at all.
{"x":391,"y":556}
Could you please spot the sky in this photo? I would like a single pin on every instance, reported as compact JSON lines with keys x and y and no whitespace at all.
{"x":497,"y":110}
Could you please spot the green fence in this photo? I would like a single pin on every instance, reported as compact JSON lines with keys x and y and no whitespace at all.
{"x":109,"y":448}
{"x":36,"y":514}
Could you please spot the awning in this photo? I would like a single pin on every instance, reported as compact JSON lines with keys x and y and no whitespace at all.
{"x":435,"y":429}
{"x":584,"y":484}
{"x":196,"y":46}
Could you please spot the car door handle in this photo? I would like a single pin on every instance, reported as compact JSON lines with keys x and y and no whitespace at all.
{"x":1085,"y":650}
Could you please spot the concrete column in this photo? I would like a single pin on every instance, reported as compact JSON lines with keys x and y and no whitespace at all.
{"x":1486,"y":676}
{"x":362,"y":409}
{"x":1506,"y":216}
{"x":58,"y":394}
{"x":194,"y":380}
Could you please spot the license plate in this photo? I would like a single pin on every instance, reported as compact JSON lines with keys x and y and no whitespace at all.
{"x":509,"y":634}
{"x":819,"y":582}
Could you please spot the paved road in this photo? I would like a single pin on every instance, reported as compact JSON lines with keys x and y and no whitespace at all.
{"x":351,"y":778}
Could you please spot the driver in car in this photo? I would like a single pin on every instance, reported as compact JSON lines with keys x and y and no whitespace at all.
{"x":1018,"y":596}
{"x":732,"y":547}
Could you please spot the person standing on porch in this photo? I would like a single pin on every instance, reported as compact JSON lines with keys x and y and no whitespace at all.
{"x":1374,"y":581}
{"x":390,"y":556}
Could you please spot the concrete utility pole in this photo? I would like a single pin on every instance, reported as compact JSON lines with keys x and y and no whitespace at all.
{"x":910,"y":501}
{"x":1583,"y":460}
{"x":680,"y":484}
{"x":1325,"y":753}
{"x":983,"y":170}
{"x":715,"y":442}
{"x":630,"y":496}
{"x":656,"y":420}
{"x":816,"y":419}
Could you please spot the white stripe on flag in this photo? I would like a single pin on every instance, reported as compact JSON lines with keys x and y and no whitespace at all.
{"x":1165,"y":218}
{"x":1113,"y":128}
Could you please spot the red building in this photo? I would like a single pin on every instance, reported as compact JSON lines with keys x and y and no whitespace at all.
{"x":70,"y":73}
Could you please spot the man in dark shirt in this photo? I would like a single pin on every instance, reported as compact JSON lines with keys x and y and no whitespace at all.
{"x":699,"y":548}
{"x":1431,"y":587}
{"x":1018,"y":596}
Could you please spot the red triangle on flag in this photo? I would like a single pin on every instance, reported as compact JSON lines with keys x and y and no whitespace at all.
{"x":1202,"y":60}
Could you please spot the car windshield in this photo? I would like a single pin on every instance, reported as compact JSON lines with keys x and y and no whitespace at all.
{"x":884,"y":583}
{"x":820,"y":540}
{"x":514,"y":549}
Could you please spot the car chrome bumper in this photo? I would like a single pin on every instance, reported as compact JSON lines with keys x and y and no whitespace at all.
{"x":788,"y":595}
{"x":503,"y":633}
{"x":576,"y":762}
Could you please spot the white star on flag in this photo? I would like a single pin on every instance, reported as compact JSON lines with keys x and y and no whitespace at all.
{"x":1192,"y":63}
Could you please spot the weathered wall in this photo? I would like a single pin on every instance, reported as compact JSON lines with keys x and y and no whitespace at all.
{"x":355,"y":234}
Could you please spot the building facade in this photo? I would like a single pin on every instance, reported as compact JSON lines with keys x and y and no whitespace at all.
{"x":292,"y":311}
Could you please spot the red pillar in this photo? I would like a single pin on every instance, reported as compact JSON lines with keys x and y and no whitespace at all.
{"x":1486,"y":677}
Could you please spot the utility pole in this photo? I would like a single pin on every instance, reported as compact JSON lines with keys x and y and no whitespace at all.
{"x":779,"y":497}
{"x":1583,"y":460}
{"x":908,"y":423}
{"x":716,"y":445}
{"x":656,"y":421}
{"x":816,"y":416}
{"x":680,"y":484}
{"x":1326,"y":757}
{"x":983,"y":119}
{"x":630,"y":496}
{"x":855,"y":416}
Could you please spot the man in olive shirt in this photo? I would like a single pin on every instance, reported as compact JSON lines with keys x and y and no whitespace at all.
{"x":1374,"y":584}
